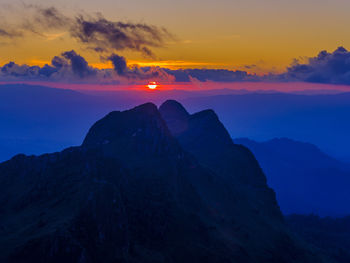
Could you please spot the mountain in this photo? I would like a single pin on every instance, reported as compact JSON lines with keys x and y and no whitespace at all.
{"x":134,"y":192}
{"x":309,"y":118}
{"x":331,"y":235}
{"x":305,"y":179}
{"x":37,"y":119}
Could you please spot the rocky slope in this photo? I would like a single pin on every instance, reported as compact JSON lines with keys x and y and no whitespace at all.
{"x":133,"y":192}
{"x":330,"y":235}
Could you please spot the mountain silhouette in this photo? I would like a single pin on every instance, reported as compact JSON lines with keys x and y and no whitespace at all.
{"x":141,"y":190}
{"x":305,"y":179}
{"x":330,"y":235}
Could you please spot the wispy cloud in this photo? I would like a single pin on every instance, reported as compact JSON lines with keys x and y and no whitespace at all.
{"x":93,"y":31}
{"x":51,"y":37}
{"x":10,"y":33}
{"x":174,"y":64}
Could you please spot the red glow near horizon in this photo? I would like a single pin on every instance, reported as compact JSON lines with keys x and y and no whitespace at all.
{"x":193,"y":86}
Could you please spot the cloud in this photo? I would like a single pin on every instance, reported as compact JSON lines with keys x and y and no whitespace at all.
{"x":50,"y":17}
{"x":3,"y":32}
{"x":78,"y":64}
{"x":94,"y":31}
{"x":220,"y":75}
{"x":119,"y":64}
{"x":72,"y":67}
{"x":331,"y":68}
{"x":328,"y":68}
{"x":104,"y":36}
{"x":68,"y":66}
{"x":138,"y":73}
{"x":9,"y":33}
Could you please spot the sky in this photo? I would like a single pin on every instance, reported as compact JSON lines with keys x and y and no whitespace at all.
{"x":259,"y":37}
{"x":235,"y":33}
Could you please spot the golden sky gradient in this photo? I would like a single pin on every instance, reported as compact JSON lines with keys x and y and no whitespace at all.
{"x":263,"y":34}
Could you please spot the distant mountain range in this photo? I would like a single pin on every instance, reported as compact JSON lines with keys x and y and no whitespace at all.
{"x":37,"y":119}
{"x":318,"y":119}
{"x":146,"y":185}
{"x":305,"y":179}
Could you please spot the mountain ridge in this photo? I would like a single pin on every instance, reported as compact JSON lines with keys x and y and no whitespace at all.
{"x":132,"y":192}
{"x":305,"y":179}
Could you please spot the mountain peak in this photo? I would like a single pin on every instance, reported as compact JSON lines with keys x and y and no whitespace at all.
{"x":207,"y":124}
{"x":175,"y":115}
{"x":174,"y":107}
{"x":148,"y":108}
{"x":140,"y":129}
{"x":208,"y":115}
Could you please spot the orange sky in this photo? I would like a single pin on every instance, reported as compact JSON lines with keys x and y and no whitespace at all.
{"x":209,"y":34}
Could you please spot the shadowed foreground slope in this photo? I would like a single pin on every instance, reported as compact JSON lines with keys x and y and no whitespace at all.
{"x":133,"y":192}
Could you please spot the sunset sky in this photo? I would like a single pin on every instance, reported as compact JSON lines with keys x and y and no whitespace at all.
{"x":216,"y":34}
{"x":255,"y":36}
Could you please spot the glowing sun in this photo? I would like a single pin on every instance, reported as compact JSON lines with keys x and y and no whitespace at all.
{"x":152,"y":85}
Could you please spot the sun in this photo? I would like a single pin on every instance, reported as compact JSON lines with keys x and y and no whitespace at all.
{"x":152,"y":85}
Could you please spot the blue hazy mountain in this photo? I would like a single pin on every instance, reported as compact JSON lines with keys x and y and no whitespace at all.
{"x":305,"y":179}
{"x":318,"y":119}
{"x":37,"y":119}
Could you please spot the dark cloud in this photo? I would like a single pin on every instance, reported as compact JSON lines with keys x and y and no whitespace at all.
{"x":58,"y":62}
{"x":333,"y":68}
{"x":3,"y":32}
{"x":78,"y":64}
{"x":94,"y":31}
{"x":48,"y":18}
{"x":220,"y":75}
{"x":119,"y":64}
{"x":12,"y":70}
{"x":104,"y":36}
{"x":147,"y":52}
{"x":7,"y":67}
{"x":329,"y":68}
{"x":150,"y":73}
{"x":47,"y":71}
{"x":70,"y":66}
{"x":9,"y":33}
{"x":137,"y":73}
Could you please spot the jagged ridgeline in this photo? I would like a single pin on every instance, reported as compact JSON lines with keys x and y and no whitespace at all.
{"x":146,"y":185}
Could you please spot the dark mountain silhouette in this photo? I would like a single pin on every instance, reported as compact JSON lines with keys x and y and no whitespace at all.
{"x":309,"y":118}
{"x":132,"y":192}
{"x":305,"y":179}
{"x":330,"y":235}
{"x":37,"y":119}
